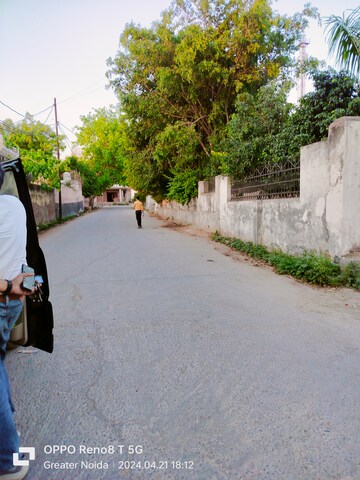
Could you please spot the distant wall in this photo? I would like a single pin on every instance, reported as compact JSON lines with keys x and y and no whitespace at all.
{"x":72,"y":200}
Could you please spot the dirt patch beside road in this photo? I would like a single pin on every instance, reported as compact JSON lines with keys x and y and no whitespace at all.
{"x":225,"y":250}
{"x":345,"y":298}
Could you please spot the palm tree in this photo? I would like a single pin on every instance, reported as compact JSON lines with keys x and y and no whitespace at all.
{"x":344,"y":40}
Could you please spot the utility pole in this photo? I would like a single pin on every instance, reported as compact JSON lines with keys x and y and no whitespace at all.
{"x":58,"y":157}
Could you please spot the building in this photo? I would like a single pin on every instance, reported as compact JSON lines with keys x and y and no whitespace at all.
{"x":117,"y":194}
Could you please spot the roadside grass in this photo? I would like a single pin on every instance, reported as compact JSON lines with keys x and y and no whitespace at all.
{"x":53,"y":223}
{"x":46,"y":226}
{"x":308,"y":267}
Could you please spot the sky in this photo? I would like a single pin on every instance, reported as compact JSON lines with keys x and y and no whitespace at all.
{"x":51,"y":49}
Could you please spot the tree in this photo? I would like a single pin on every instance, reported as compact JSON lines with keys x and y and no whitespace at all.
{"x":179,"y":79}
{"x":255,"y":129}
{"x":344,"y":40}
{"x":102,"y":135}
{"x":37,"y":144}
{"x":267,"y":129}
{"x":336,"y":94}
{"x":91,"y":186}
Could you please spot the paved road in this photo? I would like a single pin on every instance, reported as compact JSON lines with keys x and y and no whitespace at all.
{"x":183,"y":363}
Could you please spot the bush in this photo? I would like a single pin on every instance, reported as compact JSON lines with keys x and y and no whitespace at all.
{"x":183,"y":187}
{"x":351,"y":275}
{"x":309,"y":267}
{"x":312,"y":268}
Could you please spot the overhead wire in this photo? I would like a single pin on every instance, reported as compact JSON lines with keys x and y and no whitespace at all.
{"x":15,"y":129}
{"x":12,"y":109}
{"x":20,"y":114}
{"x":42,"y":111}
{"x":47,"y":118}
{"x":67,"y":128}
{"x":65,"y":137}
{"x":81,"y":92}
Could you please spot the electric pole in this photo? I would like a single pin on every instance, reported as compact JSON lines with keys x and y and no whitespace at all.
{"x":58,"y":157}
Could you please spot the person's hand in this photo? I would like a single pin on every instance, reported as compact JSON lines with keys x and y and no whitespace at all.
{"x":16,"y":285}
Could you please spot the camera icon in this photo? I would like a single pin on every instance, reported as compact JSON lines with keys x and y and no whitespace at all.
{"x":23,"y":462}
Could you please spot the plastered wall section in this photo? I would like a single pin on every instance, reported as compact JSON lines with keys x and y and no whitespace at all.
{"x":350,"y":226}
{"x":72,"y":199}
{"x":202,"y":211}
{"x":43,"y":203}
{"x":325,"y":218}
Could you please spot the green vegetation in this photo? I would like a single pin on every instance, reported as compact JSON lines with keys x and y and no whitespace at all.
{"x":344,"y":40}
{"x":309,"y":267}
{"x":178,"y":82}
{"x":91,"y":185}
{"x":37,"y":145}
{"x":183,"y":187}
{"x":255,"y":132}
{"x":351,"y":275}
{"x":53,"y":223}
{"x":202,"y":91}
{"x":266,"y":128}
{"x":102,"y":136}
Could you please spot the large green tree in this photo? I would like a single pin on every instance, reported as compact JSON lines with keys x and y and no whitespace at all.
{"x":266,"y":128}
{"x":254,"y":131}
{"x":102,"y":136}
{"x":37,"y":144}
{"x":178,"y":80}
{"x":335,"y":95}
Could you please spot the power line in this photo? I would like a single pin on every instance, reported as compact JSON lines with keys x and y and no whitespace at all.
{"x":7,"y":106}
{"x":14,"y":129}
{"x":42,"y":111}
{"x":65,"y":136}
{"x":70,"y":130}
{"x":52,"y":107}
{"x":20,"y":114}
{"x":81,"y":92}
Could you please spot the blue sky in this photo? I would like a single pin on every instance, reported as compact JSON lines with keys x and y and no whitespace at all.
{"x":59,"y":49}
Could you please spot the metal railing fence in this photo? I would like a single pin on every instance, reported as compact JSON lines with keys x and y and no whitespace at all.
{"x":269,"y":182}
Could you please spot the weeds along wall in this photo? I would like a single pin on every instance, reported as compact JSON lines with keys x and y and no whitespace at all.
{"x":324,"y":218}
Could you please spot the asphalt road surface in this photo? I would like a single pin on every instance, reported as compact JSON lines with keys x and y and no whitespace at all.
{"x":174,"y":360}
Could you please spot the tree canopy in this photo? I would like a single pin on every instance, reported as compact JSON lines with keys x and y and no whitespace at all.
{"x":255,"y":130}
{"x":266,"y":128}
{"x":37,"y":144}
{"x":178,"y":80}
{"x":102,"y":136}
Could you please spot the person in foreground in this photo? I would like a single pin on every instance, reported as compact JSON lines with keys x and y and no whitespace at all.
{"x":12,"y":257}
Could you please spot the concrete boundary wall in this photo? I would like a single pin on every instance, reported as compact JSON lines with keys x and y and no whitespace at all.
{"x":325,"y":218}
{"x":46,"y":203}
{"x":43,"y":202}
{"x":72,"y":200}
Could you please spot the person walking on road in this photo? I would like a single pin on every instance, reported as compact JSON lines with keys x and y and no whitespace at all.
{"x":12,"y":257}
{"x":139,"y":211}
